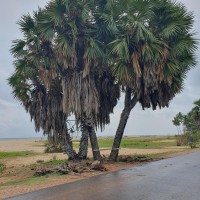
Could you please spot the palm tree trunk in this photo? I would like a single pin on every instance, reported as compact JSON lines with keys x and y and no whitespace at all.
{"x":94,"y":144}
{"x":83,"y":149}
{"x":88,"y":127}
{"x":69,"y":150}
{"x":68,"y":145}
{"x":128,"y":106}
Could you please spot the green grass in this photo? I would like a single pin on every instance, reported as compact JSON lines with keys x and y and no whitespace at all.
{"x":29,"y":181}
{"x":145,"y":144}
{"x":47,"y":164}
{"x":148,"y":157}
{"x":55,"y":162}
{"x":140,"y":142}
{"x":151,"y":142}
{"x":15,"y":154}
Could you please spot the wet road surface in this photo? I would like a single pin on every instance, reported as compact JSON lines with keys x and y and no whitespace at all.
{"x":170,"y":179}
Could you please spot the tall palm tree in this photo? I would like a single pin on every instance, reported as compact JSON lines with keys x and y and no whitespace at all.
{"x":43,"y":107}
{"x":86,"y":79}
{"x":42,"y":103}
{"x":153,"y":52}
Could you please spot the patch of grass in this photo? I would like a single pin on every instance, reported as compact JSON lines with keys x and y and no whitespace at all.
{"x":29,"y":181}
{"x":2,"y":167}
{"x":76,"y":145}
{"x":140,"y":142}
{"x":163,"y":154}
{"x":144,"y":157}
{"x":15,"y":154}
{"x":135,"y":158}
{"x":48,"y":164}
{"x":148,"y":142}
{"x":55,"y":162}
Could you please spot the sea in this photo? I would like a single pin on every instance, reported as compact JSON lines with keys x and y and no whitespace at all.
{"x":25,"y":138}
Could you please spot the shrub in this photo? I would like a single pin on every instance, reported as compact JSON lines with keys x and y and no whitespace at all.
{"x":193,"y":138}
{"x":2,"y":167}
{"x":54,"y":148}
{"x":181,"y":140}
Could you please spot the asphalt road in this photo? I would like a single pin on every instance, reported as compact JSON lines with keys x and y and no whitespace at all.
{"x":175,"y":178}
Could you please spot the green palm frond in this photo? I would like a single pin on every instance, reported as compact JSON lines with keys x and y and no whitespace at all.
{"x":26,"y":69}
{"x":45,"y":26}
{"x":26,"y":24}
{"x":18,"y":48}
{"x":171,"y":30}
{"x":55,"y":12}
{"x":141,"y":32}
{"x":123,"y":73}
{"x":93,"y":49}
{"x":119,"y":47}
{"x":183,"y":44}
{"x":20,"y":87}
{"x":63,"y":44}
{"x":109,"y":24}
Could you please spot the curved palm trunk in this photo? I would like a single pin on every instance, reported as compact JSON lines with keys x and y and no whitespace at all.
{"x":83,"y":149}
{"x":69,"y":150}
{"x":128,"y":106}
{"x":69,"y":146}
{"x":94,"y":143}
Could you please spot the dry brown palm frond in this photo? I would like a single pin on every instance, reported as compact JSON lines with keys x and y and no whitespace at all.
{"x":86,"y":68}
{"x":136,"y":64}
{"x":80,"y":95}
{"x":109,"y":93}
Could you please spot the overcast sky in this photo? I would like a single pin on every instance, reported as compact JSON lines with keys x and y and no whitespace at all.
{"x":14,"y":122}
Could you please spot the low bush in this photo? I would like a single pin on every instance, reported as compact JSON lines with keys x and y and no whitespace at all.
{"x":2,"y":167}
{"x":193,"y":138}
{"x":181,"y":140}
{"x":54,"y":148}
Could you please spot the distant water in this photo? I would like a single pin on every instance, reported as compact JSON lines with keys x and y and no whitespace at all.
{"x":27,"y":138}
{"x":99,"y":136}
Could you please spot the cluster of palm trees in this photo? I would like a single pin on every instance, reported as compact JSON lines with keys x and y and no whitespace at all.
{"x":78,"y":56}
{"x":190,"y":124}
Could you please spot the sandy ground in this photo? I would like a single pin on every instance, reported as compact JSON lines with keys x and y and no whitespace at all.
{"x":37,"y":146}
{"x":22,"y":145}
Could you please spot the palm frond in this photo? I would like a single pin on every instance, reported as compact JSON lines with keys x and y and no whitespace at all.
{"x":18,"y":48}
{"x":26,"y":24}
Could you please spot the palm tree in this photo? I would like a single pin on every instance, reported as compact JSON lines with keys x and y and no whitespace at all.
{"x":152,"y":54}
{"x":42,"y":106}
{"x":86,"y":79}
{"x":42,"y":103}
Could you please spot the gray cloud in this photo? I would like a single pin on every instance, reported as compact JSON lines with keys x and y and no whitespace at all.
{"x":14,"y":122}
